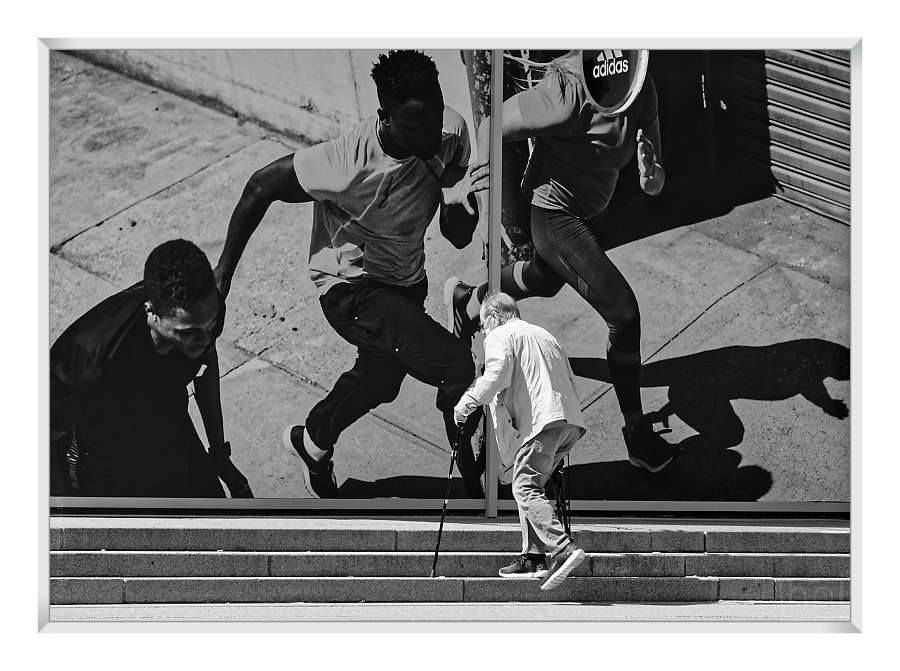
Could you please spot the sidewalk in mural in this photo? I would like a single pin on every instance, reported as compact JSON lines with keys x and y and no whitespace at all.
{"x":745,"y":317}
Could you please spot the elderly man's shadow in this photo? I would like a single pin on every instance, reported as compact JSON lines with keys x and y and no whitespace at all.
{"x":402,"y":486}
{"x":701,"y":388}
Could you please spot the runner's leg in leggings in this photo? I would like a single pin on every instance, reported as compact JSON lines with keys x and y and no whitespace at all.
{"x":523,"y":279}
{"x":571,"y":249}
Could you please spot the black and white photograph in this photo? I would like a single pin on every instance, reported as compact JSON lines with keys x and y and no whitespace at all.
{"x":450,"y":333}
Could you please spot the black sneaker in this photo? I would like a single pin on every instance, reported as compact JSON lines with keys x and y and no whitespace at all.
{"x":456,"y":297}
{"x":319,"y":475}
{"x":562,"y":565}
{"x":525,"y":567}
{"x":646,"y":448}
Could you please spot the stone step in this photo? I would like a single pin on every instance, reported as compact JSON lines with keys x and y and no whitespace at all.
{"x":419,"y":535}
{"x":65,"y":591}
{"x":456,"y":564}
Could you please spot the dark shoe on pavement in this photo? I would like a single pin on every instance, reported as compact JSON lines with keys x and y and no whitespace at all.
{"x":319,"y":475}
{"x":525,"y":567}
{"x":562,"y":565}
{"x":456,"y":297}
{"x":646,"y":448}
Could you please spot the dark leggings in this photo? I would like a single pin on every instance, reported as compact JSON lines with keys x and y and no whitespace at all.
{"x":568,"y":251}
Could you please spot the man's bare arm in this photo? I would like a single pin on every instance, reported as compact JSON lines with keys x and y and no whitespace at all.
{"x":207,"y":394}
{"x":209,"y":401}
{"x":275,"y":182}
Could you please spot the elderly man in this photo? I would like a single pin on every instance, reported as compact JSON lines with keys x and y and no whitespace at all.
{"x":528,"y":383}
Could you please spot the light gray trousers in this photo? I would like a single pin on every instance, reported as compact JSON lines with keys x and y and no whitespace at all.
{"x":542,"y":532}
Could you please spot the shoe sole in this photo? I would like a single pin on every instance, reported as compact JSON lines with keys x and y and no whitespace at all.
{"x":537,"y":575}
{"x":574,"y":561}
{"x":634,"y":461}
{"x":449,"y":286}
{"x":289,"y":446}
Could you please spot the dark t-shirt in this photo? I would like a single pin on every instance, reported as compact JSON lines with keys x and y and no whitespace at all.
{"x":577,"y":157}
{"x":127,"y":404}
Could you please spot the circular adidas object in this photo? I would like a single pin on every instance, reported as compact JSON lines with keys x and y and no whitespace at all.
{"x":613,"y":77}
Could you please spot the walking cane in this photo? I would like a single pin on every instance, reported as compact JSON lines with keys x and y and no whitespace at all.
{"x":457,"y":441}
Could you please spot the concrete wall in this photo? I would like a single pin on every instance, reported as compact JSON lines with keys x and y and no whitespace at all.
{"x":313,"y":94}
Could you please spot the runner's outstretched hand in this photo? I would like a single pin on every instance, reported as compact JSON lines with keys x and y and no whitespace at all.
{"x":475,"y":179}
{"x":646,"y":154}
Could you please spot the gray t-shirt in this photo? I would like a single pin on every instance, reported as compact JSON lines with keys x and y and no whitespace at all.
{"x":372,"y":210}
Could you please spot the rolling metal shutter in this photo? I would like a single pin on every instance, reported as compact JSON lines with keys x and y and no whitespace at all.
{"x":799,"y":124}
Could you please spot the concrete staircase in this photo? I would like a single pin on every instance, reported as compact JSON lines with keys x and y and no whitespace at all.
{"x":291,"y":560}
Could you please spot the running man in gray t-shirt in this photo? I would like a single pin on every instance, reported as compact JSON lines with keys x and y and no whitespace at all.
{"x":376,"y":189}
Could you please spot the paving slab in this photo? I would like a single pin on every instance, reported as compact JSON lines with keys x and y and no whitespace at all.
{"x":644,"y":565}
{"x":788,"y":235}
{"x":114,"y":142}
{"x":769,"y":564}
{"x":63,"y":66}
{"x":812,"y":589}
{"x":87,"y":590}
{"x":370,"y":590}
{"x":781,"y":403}
{"x":815,"y":566}
{"x":73,"y":291}
{"x":764,"y":420}
{"x":677,"y":541}
{"x":373,"y":458}
{"x":320,"y":590}
{"x":235,"y":539}
{"x":450,"y":564}
{"x":121,"y":564}
{"x":114,"y":563}
{"x":594,"y":589}
{"x":746,"y":589}
{"x":417,"y":534}
{"x":776,"y":541}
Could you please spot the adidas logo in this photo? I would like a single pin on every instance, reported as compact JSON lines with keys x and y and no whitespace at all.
{"x":610,"y":62}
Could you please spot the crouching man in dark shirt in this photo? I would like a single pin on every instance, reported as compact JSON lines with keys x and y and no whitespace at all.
{"x":119,"y":422}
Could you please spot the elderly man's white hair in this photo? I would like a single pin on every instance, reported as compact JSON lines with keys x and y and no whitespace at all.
{"x":498,"y":308}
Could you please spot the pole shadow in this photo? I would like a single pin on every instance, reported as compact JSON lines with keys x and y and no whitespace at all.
{"x":701,"y":388}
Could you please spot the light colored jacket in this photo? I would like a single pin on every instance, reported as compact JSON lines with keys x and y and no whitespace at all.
{"x":528,"y":384}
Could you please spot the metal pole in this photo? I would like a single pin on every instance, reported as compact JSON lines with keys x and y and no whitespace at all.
{"x":483,"y":68}
{"x":494,"y":227}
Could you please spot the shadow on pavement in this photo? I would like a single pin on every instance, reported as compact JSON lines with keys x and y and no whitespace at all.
{"x":402,"y":486}
{"x":701,"y":388}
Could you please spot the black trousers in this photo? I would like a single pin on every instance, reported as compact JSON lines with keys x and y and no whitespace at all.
{"x":395,"y":338}
{"x":569,"y":250}
{"x":181,"y":469}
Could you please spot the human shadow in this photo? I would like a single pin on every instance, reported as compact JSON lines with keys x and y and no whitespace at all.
{"x":701,"y":387}
{"x":402,"y":486}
